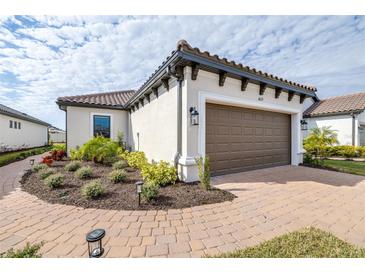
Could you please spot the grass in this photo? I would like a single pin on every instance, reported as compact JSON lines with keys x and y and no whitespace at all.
{"x":10,"y":157}
{"x":29,"y":251}
{"x":305,"y":243}
{"x":352,"y":167}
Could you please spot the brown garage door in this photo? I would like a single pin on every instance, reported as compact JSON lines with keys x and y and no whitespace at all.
{"x":240,"y":139}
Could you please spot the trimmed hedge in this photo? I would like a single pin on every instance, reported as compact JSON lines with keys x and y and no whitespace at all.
{"x":10,"y":157}
{"x":345,"y":151}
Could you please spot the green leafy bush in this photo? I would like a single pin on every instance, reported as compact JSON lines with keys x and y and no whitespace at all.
{"x":161,"y":173}
{"x":318,"y":140}
{"x":76,"y":154}
{"x":13,"y":156}
{"x":93,"y":189}
{"x":120,"y":164}
{"x":361,"y":151}
{"x":84,"y":172}
{"x":204,"y":172}
{"x":54,"y":181}
{"x":117,"y":176}
{"x":57,"y":147}
{"x":73,"y":166}
{"x":136,"y":159}
{"x":44,"y":173}
{"x":149,"y":191}
{"x":39,"y":167}
{"x":97,"y":149}
{"x":29,"y":251}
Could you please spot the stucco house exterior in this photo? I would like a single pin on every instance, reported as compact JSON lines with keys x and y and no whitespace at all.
{"x":20,"y":130}
{"x":57,"y":135}
{"x":345,"y":114}
{"x":196,"y":103}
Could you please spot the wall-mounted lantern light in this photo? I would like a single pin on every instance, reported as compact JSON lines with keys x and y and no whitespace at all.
{"x":303,"y":124}
{"x":139,"y":185}
{"x":94,"y":242}
{"x":194,"y":116}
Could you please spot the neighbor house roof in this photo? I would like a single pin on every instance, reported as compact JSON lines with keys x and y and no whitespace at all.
{"x":115,"y":99}
{"x":20,"y":115}
{"x":352,"y":103}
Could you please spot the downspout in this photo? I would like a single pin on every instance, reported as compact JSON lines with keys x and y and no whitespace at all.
{"x":179,"y":75}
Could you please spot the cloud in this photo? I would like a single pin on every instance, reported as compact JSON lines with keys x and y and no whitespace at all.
{"x":44,"y":57}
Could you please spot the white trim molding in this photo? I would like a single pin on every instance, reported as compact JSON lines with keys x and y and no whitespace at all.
{"x":211,"y":97}
{"x":92,"y":114}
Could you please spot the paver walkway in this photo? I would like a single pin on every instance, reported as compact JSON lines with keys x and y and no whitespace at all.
{"x":270,"y":202}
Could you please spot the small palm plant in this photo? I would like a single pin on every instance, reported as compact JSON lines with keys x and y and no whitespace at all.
{"x":318,"y":140}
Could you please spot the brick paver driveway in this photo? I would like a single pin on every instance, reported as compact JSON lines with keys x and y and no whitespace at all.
{"x":270,"y":202}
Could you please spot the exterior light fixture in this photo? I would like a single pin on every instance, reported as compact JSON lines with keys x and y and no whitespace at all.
{"x":303,"y":124}
{"x":31,"y":162}
{"x":94,"y":241}
{"x":139,"y":185}
{"x":194,"y":116}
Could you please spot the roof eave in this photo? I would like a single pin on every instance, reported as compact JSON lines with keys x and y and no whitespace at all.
{"x":62,"y":104}
{"x":25,"y":118}
{"x":339,"y":113}
{"x":219,"y":66}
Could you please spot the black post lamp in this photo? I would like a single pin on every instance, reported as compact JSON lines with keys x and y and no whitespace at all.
{"x":94,"y":242}
{"x":139,"y":185}
{"x":194,"y":116}
{"x":31,"y":162}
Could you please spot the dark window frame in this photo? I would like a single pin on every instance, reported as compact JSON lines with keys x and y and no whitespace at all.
{"x":10,"y":123}
{"x":97,"y":132}
{"x":19,"y":125}
{"x":15,"y":124}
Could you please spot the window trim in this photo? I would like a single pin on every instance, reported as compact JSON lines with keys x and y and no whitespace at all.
{"x":92,"y":114}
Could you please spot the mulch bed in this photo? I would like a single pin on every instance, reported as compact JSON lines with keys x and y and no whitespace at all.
{"x":121,"y":195}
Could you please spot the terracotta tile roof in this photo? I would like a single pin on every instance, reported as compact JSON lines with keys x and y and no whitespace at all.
{"x":339,"y":104}
{"x":108,"y":99}
{"x":184,"y":46}
{"x":20,"y":115}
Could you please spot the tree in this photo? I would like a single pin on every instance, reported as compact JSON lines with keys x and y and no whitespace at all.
{"x":318,"y":140}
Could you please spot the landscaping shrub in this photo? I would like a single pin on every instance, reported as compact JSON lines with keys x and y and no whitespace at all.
{"x":54,"y":181}
{"x":160,"y":174}
{"x":204,"y":172}
{"x":361,"y":151}
{"x":120,"y":164}
{"x":44,"y":173}
{"x":39,"y":167}
{"x":73,"y":166}
{"x":318,"y":140}
{"x":149,"y":191}
{"x":120,"y":139}
{"x":47,"y":160}
{"x":84,"y":172}
{"x":58,"y":155}
{"x":117,"y":176}
{"x":29,"y":251}
{"x":93,"y":190}
{"x":97,"y":149}
{"x":136,"y":159}
{"x":59,"y":147}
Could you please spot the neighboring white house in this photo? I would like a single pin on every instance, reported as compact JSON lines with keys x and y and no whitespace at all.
{"x":198,"y":104}
{"x":57,"y":135}
{"x":20,"y":130}
{"x":345,"y":114}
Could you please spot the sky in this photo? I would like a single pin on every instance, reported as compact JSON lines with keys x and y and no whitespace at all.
{"x":45,"y":57}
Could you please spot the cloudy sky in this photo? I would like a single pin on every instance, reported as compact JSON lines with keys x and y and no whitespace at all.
{"x":42,"y":58}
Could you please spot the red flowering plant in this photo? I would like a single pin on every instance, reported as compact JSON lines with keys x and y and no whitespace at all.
{"x":47,"y":160}
{"x":58,"y":155}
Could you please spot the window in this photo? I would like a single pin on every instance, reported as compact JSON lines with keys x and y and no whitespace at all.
{"x":19,"y":125}
{"x":10,"y":123}
{"x":102,"y":125}
{"x":15,"y":124}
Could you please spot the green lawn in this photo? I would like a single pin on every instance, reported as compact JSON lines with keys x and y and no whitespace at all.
{"x":306,"y":243}
{"x":10,"y":157}
{"x":346,"y":166}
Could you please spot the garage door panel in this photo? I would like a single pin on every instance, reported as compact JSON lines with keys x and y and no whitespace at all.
{"x":240,"y":139}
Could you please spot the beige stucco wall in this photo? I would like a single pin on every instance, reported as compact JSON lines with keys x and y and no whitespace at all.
{"x":207,"y":89}
{"x":57,"y":137}
{"x":29,"y":135}
{"x":156,"y":125}
{"x":79,"y":124}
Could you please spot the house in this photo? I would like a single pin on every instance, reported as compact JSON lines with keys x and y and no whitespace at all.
{"x":56,"y":135}
{"x":20,"y":130}
{"x":345,"y":114}
{"x":196,"y":103}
